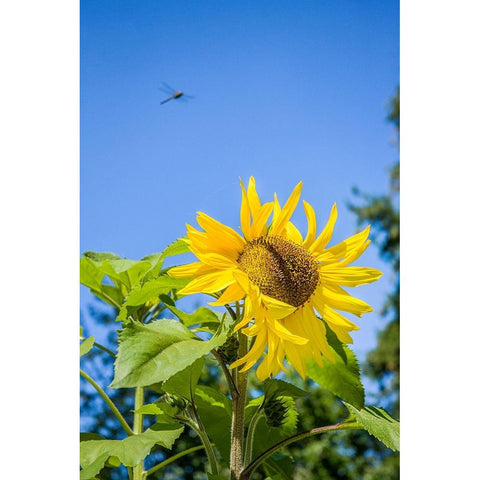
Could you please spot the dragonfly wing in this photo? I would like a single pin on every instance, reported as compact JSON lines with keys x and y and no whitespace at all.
{"x":168,"y":88}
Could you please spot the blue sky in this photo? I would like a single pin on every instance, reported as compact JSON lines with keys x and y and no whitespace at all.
{"x":285,"y":91}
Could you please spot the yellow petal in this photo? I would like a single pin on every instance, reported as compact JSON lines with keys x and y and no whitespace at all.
{"x":276,"y":308}
{"x":318,"y":332}
{"x":254,"y":353}
{"x":263,"y":370}
{"x":232,"y":294}
{"x":216,"y":260}
{"x":341,"y":333}
{"x":280,"y":330}
{"x":190,"y":270}
{"x":326,"y":235}
{"x":312,"y":224}
{"x":260,"y":218}
{"x":345,"y":249}
{"x":209,"y":283}
{"x":220,"y":231}
{"x":293,"y":234}
{"x":334,"y":318}
{"x":339,"y":299}
{"x":294,"y":357}
{"x":276,"y":208}
{"x":253,"y":199}
{"x":281,"y":221}
{"x":349,"y":276}
{"x":245,"y":214}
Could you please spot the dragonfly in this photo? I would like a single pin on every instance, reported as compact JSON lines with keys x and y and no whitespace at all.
{"x":173,"y":94}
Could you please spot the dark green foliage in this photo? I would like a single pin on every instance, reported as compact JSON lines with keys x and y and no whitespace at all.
{"x":382,"y":212}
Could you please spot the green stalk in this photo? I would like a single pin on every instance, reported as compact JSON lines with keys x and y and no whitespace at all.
{"x":170,"y":460}
{"x":138,"y":473}
{"x":112,"y":406}
{"x":228,"y":376}
{"x":207,"y":445}
{"x":238,"y":413}
{"x":251,"y":433}
{"x":248,"y":471}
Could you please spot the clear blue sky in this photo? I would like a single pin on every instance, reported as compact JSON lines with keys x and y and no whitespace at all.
{"x":284,"y":91}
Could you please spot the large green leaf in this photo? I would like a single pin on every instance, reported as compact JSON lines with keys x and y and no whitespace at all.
{"x":342,"y":377}
{"x":215,"y":410}
{"x":183,"y":383}
{"x":155,"y":352}
{"x":129,"y":451}
{"x":378,"y":423}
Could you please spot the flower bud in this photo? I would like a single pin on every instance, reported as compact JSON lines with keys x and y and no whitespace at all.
{"x":229,"y":350}
{"x":175,"y":402}
{"x":276,"y":412}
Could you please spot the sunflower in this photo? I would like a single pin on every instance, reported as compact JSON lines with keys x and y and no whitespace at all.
{"x":283,"y":278}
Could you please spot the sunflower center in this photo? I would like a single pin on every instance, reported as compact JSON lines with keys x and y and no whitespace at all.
{"x":280,"y":268}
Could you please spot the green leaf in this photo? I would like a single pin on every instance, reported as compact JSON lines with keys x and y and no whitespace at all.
{"x":178,"y":247}
{"x":202,"y":315}
{"x":274,"y":388}
{"x":155,"y":352}
{"x":84,"y":436}
{"x":279,"y":467}
{"x":153,"y":289}
{"x":101,"y":256}
{"x":124,"y":271}
{"x":163,"y":411}
{"x":378,"y":423}
{"x":130,"y":451}
{"x":342,"y":377}
{"x":185,"y":381}
{"x":86,"y":345}
{"x":143,"y":352}
{"x":213,"y":397}
{"x":92,"y":276}
{"x":156,"y":260}
{"x":89,"y":471}
{"x":215,"y":410}
{"x":149,"y":293}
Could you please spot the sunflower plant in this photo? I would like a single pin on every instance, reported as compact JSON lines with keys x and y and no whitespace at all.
{"x":278,"y":305}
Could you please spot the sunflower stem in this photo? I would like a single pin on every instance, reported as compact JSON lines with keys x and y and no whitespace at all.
{"x":238,"y":412}
{"x":138,"y":473}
